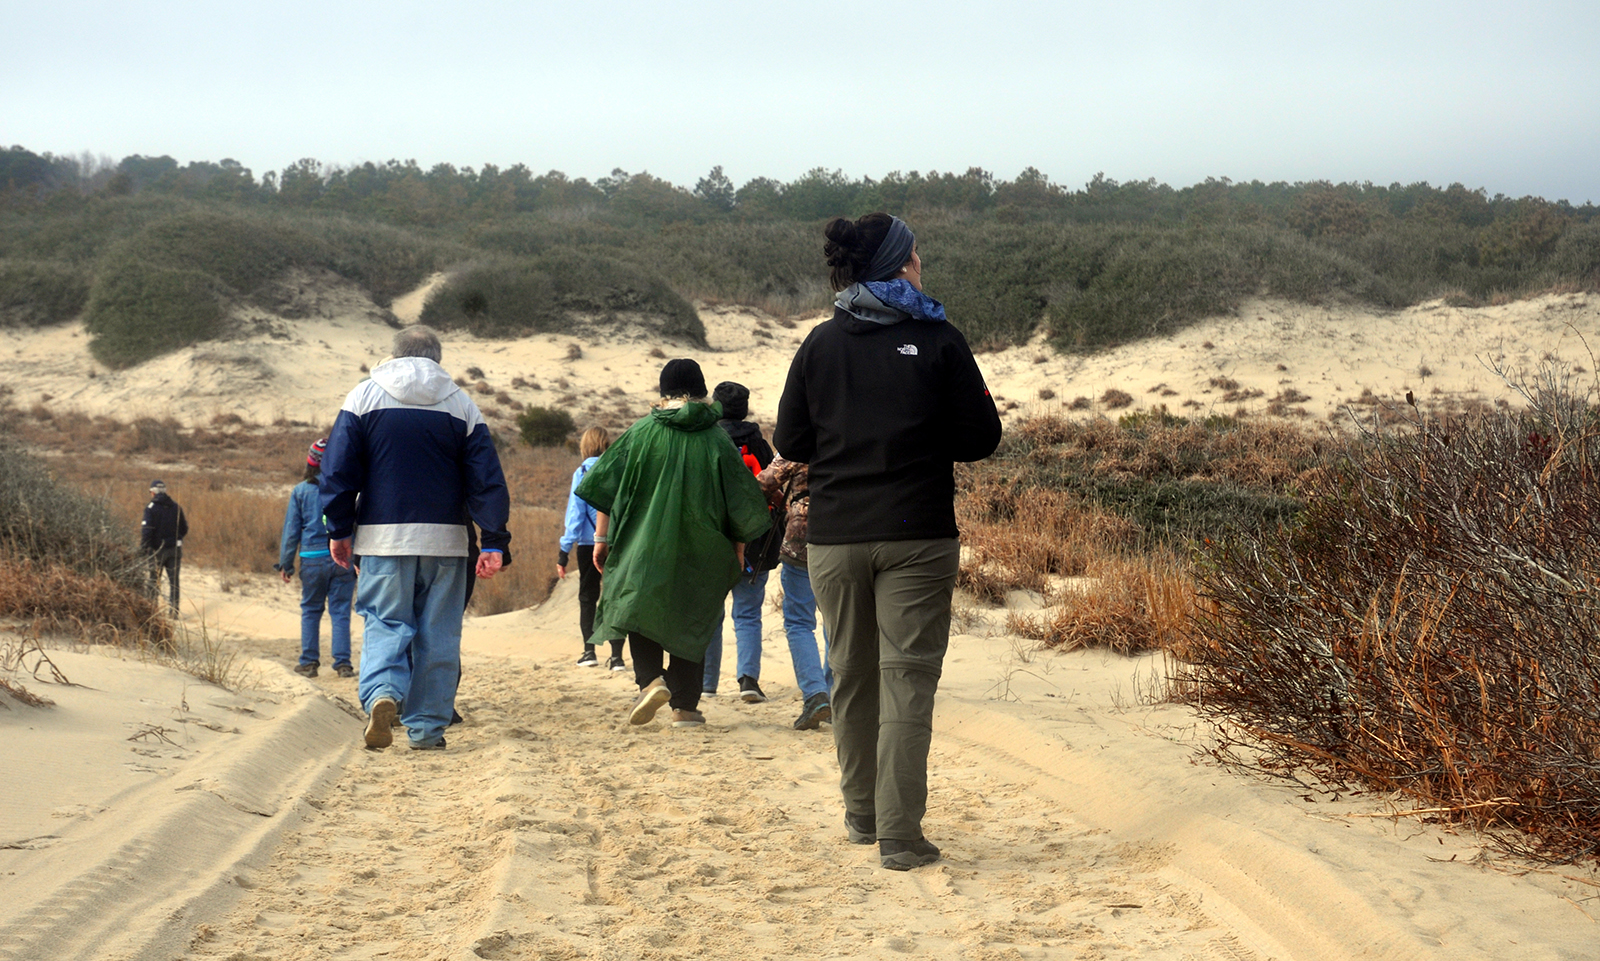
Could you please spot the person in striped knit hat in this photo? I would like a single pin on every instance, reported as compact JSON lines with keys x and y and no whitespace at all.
{"x":323,"y":584}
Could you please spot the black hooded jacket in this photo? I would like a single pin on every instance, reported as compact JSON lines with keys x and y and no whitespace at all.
{"x":882,"y":413}
{"x":747,"y":435}
{"x":164,"y":524}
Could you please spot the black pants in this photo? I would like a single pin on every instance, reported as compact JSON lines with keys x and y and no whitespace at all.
{"x":683,"y":675}
{"x":589,"y":596}
{"x":169,"y":559}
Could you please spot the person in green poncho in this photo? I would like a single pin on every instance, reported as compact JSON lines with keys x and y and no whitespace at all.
{"x":676,"y":505}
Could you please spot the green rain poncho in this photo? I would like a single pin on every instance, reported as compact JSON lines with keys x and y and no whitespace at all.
{"x":679,"y":496}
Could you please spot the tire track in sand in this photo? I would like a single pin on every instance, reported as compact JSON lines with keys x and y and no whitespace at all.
{"x":551,"y":829}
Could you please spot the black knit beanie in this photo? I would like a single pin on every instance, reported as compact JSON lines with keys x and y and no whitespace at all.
{"x":734,"y":398}
{"x":682,"y":378}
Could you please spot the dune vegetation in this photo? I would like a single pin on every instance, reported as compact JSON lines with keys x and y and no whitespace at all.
{"x":156,"y":254}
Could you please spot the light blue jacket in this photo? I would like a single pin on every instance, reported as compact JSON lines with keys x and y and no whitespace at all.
{"x":303,"y":530}
{"x":580,"y":516}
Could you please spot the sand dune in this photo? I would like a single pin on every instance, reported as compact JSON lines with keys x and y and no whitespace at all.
{"x":1316,"y":359}
{"x":1078,"y":819}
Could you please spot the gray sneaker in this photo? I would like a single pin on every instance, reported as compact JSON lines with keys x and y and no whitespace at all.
{"x":816,"y":710}
{"x":862,"y":828}
{"x":905,"y":855}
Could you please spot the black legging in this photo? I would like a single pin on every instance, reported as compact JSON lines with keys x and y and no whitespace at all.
{"x":589,"y":595}
{"x":683,"y":675}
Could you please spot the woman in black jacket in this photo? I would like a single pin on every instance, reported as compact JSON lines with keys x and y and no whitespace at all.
{"x":881,"y":401}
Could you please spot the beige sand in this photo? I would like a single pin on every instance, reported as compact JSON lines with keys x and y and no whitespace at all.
{"x":301,"y":370}
{"x":1078,"y":821}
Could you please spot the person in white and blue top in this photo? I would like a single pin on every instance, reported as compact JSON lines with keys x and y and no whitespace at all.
{"x":410,"y":468}
{"x":323,"y":584}
{"x":578,"y":534}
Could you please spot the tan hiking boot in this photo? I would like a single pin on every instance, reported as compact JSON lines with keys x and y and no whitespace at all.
{"x":651,"y":697}
{"x":384,"y":712}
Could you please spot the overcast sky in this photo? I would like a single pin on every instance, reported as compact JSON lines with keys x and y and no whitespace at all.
{"x":1504,"y":96}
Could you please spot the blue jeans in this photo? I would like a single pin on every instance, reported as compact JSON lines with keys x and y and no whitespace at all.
{"x":411,"y":646}
{"x":747,"y":597}
{"x":324,"y":583}
{"x":800,"y":624}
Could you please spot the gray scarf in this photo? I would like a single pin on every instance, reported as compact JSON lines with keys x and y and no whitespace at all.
{"x":862,"y":304}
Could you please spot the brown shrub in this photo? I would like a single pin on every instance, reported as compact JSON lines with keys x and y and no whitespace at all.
{"x":148,"y":434}
{"x":94,"y":607}
{"x":1115,"y":399}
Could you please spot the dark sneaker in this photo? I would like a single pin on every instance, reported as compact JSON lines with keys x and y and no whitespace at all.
{"x":456,"y":718}
{"x":905,"y":855}
{"x":651,"y":697}
{"x":750,"y":691}
{"x":588,"y":659}
{"x":816,"y":710}
{"x":862,"y":828}
{"x":438,"y":745}
{"x":344,"y":670}
{"x":614,"y":663}
{"x":688,"y":719}
{"x":384,"y":713}
{"x":307,"y":670}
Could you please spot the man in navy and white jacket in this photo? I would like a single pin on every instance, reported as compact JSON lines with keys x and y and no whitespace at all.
{"x":409,"y":468}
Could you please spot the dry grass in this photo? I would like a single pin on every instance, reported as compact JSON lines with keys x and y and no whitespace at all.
{"x":1019,"y":539}
{"x":94,"y":607}
{"x":234,"y":483}
{"x":20,"y":654}
{"x":1129,"y":604}
{"x":197,"y":651}
{"x":535,"y":532}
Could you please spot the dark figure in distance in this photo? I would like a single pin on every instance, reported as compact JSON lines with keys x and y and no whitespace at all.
{"x":161,"y":535}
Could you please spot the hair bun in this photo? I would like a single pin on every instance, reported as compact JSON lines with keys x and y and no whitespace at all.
{"x":842,"y":232}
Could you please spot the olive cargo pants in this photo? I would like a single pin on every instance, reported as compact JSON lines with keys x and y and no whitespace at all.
{"x":887,"y":607}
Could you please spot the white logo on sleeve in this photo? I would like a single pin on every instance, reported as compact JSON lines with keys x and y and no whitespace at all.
{"x":910,"y":350}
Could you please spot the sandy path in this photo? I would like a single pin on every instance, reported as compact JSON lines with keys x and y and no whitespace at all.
{"x":1076,"y":819}
{"x":549,"y":829}
{"x":552,"y":829}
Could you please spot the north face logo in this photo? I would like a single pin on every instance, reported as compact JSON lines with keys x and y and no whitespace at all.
{"x":910,"y":350}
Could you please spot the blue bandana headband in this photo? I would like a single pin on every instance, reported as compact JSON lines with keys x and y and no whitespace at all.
{"x":892,"y":253}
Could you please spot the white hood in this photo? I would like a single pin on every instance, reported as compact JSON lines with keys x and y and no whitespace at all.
{"x":417,"y":381}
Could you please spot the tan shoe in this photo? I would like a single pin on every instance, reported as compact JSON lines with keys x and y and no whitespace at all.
{"x":688,"y":719}
{"x":384,"y":710}
{"x":651,"y":697}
